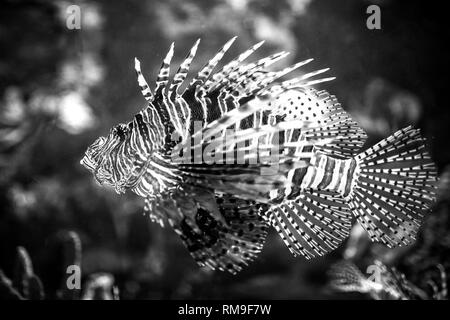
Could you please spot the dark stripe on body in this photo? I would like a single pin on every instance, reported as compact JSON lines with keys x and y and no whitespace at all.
{"x":328,"y":175}
{"x":297,"y":179}
{"x":349,"y":177}
{"x":195,"y":106}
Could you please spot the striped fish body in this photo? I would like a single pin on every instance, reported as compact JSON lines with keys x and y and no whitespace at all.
{"x":295,"y":163}
{"x":326,"y":173}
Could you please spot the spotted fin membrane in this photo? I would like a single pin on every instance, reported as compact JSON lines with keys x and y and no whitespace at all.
{"x":227,"y":242}
{"x":313,"y":224}
{"x":227,"y":247}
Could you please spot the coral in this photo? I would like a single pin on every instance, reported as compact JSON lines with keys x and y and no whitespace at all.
{"x":385,"y":283}
{"x":26,"y":285}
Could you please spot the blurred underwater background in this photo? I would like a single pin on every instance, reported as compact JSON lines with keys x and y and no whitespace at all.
{"x":61,"y":88}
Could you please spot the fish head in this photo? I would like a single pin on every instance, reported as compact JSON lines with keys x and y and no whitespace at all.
{"x":101,"y":159}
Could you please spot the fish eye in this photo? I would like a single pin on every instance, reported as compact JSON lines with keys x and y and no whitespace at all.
{"x":120,"y":130}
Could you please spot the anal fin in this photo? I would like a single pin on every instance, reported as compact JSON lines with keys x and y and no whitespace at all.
{"x":229,"y":245}
{"x":312,"y":224}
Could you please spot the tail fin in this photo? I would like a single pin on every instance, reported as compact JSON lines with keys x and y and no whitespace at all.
{"x":394,"y":187}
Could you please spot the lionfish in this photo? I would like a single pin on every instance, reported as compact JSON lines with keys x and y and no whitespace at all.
{"x":295,"y":163}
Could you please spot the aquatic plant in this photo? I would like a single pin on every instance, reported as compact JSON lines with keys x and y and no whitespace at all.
{"x":26,"y":285}
{"x":386,"y":283}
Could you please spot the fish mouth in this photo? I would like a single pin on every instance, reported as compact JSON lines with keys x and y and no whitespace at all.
{"x":92,"y":167}
{"x":87,"y":163}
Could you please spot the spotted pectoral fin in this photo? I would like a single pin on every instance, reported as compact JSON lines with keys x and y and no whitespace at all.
{"x":226,"y":246}
{"x":313,"y":224}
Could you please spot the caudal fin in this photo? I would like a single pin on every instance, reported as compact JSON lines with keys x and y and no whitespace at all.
{"x":394,"y":187}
